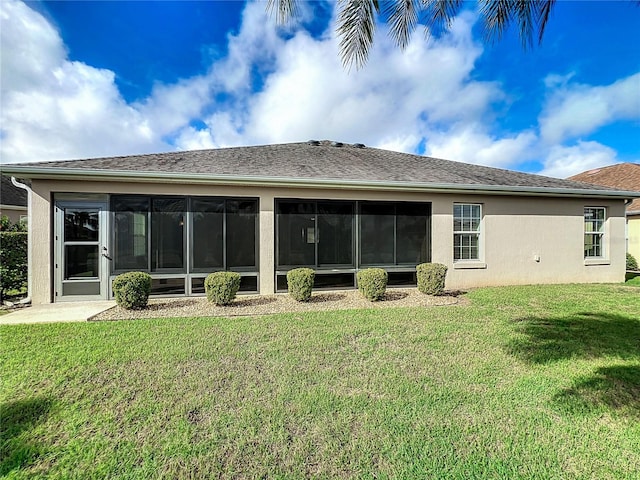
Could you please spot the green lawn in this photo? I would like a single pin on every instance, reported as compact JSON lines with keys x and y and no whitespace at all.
{"x":525,"y":382}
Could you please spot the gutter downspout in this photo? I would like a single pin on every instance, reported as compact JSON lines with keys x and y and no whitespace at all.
{"x":29,"y":239}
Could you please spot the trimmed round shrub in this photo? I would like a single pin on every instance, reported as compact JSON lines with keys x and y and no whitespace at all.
{"x":431,"y":278}
{"x":300,"y":283}
{"x":632,"y":263}
{"x":221,"y":287}
{"x":372,"y":283}
{"x":132,"y":290}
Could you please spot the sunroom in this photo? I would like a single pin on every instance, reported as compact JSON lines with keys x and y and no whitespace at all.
{"x":337,"y":238}
{"x":177,"y":239}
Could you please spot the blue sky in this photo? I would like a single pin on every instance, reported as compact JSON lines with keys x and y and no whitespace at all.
{"x":84,"y":79}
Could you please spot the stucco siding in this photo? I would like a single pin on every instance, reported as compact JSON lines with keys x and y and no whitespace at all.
{"x":267,"y":243}
{"x":516,"y":232}
{"x":540,"y":240}
{"x":42,"y":243}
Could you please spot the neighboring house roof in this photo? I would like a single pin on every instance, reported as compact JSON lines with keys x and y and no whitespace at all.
{"x":321,"y":164}
{"x":624,"y":176}
{"x":10,"y":195}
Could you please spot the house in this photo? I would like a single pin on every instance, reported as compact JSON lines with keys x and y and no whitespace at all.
{"x":622,"y":176}
{"x":335,"y":207}
{"x":13,"y":200}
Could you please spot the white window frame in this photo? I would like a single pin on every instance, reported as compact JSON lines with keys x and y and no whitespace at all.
{"x":468,"y":232}
{"x":600,"y":233}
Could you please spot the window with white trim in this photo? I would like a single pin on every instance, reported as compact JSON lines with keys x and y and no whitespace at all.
{"x":594,"y":230}
{"x":466,"y":231}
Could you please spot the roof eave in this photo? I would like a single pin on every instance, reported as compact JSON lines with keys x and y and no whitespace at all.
{"x":247,"y":180}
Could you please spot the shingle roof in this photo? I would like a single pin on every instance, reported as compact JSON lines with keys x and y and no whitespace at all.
{"x":624,"y":176}
{"x":306,"y":161}
{"x":10,"y":194}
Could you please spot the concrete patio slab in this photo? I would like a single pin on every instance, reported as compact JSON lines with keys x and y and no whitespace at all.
{"x":56,"y":312}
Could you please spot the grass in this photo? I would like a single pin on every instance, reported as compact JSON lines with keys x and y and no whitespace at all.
{"x":525,"y":382}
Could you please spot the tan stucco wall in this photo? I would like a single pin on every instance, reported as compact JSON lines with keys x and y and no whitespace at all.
{"x":41,"y":244}
{"x":633,"y":235}
{"x":515,"y":230}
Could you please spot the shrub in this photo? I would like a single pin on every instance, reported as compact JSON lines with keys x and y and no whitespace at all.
{"x":221,"y":287}
{"x":300,"y":283}
{"x":431,"y":278}
{"x":13,"y":261}
{"x":372,"y":283}
{"x":632,"y":263}
{"x":132,"y":290}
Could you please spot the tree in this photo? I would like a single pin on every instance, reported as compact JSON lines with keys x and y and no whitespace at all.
{"x":357,"y":20}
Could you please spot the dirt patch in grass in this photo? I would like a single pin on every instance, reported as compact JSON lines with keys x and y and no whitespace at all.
{"x":249,"y":305}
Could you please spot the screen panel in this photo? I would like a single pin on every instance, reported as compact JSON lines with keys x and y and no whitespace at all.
{"x":377,"y":228}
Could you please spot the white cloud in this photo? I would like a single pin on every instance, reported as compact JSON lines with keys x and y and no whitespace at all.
{"x":54,"y":108}
{"x":563,"y":162}
{"x":31,"y":47}
{"x":573,"y":110}
{"x":472,"y":144}
{"x":390,"y":103}
{"x":171,"y":107}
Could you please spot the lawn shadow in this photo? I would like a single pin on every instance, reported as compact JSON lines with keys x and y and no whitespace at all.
{"x":16,"y":419}
{"x":394,"y":296}
{"x":583,"y":335}
{"x":454,"y":293}
{"x":251,"y":302}
{"x":616,"y":388}
{"x":171,"y":303}
{"x":327,"y":297}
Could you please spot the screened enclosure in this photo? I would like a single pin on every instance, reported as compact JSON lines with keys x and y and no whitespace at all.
{"x":179,"y":240}
{"x":337,"y":238}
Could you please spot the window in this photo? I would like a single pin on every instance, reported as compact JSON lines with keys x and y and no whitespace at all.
{"x":338,"y":237}
{"x":466,"y":231}
{"x":296,"y":233}
{"x":412,"y":233}
{"x":315,"y":234}
{"x":322,"y":234}
{"x":377,"y":233}
{"x":224,"y":234}
{"x":335,"y":230}
{"x":131,"y":237}
{"x":167,"y":234}
{"x":394,"y":233}
{"x":240,"y":230}
{"x":594,"y":218}
{"x":156,"y":234}
{"x":207,"y":253}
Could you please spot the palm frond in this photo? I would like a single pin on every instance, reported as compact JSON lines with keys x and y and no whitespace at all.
{"x":283,"y":10}
{"x":439,"y":14}
{"x":357,"y":20}
{"x":543,"y":17}
{"x":526,"y":13}
{"x":356,"y":27}
{"x":497,"y":16}
{"x":402,"y":18}
{"x":531,"y":16}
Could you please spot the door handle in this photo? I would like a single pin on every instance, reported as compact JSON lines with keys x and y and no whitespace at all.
{"x":105,"y":253}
